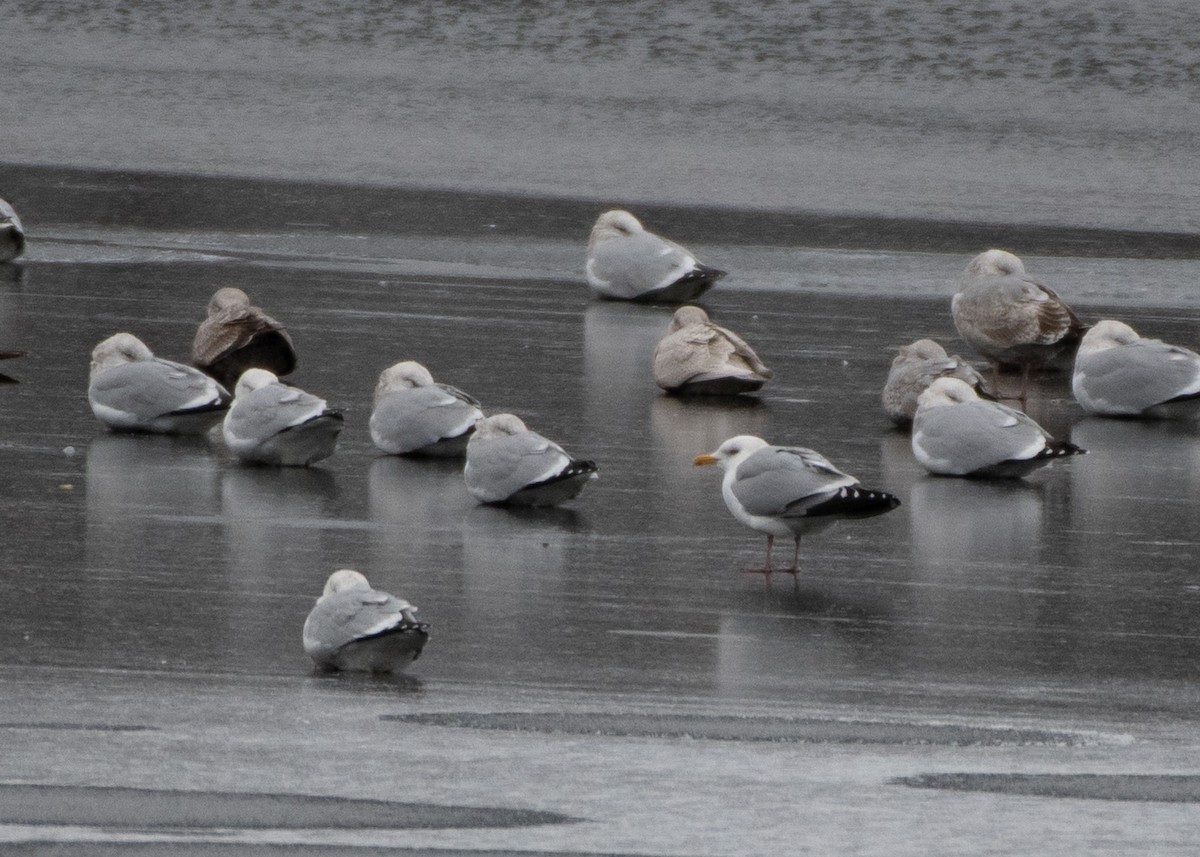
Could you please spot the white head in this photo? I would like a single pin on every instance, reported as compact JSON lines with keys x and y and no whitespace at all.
{"x":227,"y":298}
{"x":254,"y":379}
{"x":731,"y":451}
{"x":1107,"y":334}
{"x":999,"y":262}
{"x":922,"y":349}
{"x":402,"y":376}
{"x":686,"y":316}
{"x":498,"y":425}
{"x":344,"y":580}
{"x":117,"y":349}
{"x":946,"y":391}
{"x":615,"y":224}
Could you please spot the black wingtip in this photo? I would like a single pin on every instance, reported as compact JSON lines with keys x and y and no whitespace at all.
{"x":854,"y":502}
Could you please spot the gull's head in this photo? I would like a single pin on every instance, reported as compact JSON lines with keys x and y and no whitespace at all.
{"x":997,"y":262}
{"x":1107,"y":334}
{"x":498,"y":425}
{"x":344,"y":580}
{"x":686,"y":316}
{"x":254,"y":379}
{"x":731,"y":451}
{"x":615,"y":224}
{"x":117,"y":349}
{"x":922,"y":349}
{"x":946,"y":391}
{"x":402,"y":376}
{"x":227,"y":298}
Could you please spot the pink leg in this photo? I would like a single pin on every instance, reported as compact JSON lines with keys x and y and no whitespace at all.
{"x":767,"y":571}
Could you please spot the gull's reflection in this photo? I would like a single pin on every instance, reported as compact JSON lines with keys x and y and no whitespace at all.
{"x":618,"y":350}
{"x":421,"y":504}
{"x":971,"y":526}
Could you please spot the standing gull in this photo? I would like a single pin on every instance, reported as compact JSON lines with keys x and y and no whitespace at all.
{"x":129,"y":389}
{"x":697,"y":357}
{"x":272,"y":423}
{"x":916,"y":367}
{"x":237,"y":336}
{"x":509,"y":464}
{"x":355,"y":627}
{"x":1120,"y":374}
{"x":414,"y":414}
{"x":1010,"y":319}
{"x":625,"y":262}
{"x":955,"y":433}
{"x":12,"y":233}
{"x":789,"y":491}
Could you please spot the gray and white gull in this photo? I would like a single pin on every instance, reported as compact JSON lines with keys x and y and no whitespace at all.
{"x":627,"y":262}
{"x":1121,"y":374}
{"x":273,"y":423}
{"x":414,"y":414}
{"x":356,"y":628}
{"x":509,"y":464}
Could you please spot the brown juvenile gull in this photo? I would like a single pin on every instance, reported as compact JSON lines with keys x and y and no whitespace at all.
{"x":509,"y":464}
{"x":698,"y":357}
{"x":1120,"y":374}
{"x":272,"y":423}
{"x":129,"y":389}
{"x":789,"y":491}
{"x":1010,"y":319}
{"x":355,"y":627}
{"x":413,"y":414}
{"x":237,"y":336}
{"x":625,"y":262}
{"x":955,"y":433}
{"x":12,"y":233}
{"x":916,"y":367}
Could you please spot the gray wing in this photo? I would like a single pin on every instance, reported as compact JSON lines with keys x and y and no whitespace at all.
{"x":634,"y":264}
{"x":459,"y":394}
{"x":973,"y":435}
{"x":786,"y":480}
{"x":148,"y":389}
{"x":410,"y":419}
{"x":344,"y":617}
{"x":267,"y":411}
{"x":8,"y":214}
{"x":1133,"y":377}
{"x":500,"y":467}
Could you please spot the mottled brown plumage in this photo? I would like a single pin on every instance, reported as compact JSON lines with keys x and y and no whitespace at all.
{"x":237,"y":336}
{"x":699,"y":357}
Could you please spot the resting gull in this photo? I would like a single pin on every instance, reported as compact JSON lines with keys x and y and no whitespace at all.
{"x":625,"y":262}
{"x":955,"y":433}
{"x":237,"y":336}
{"x":1120,"y":374}
{"x":789,"y":491}
{"x":130,"y":389}
{"x":272,"y":423}
{"x":355,"y":627}
{"x":697,"y":357}
{"x":509,"y":464}
{"x":12,"y":233}
{"x":1010,"y":319}
{"x":916,"y":367}
{"x":414,"y":414}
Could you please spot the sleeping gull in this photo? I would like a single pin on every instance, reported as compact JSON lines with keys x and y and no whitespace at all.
{"x":1120,"y":374}
{"x":355,"y":627}
{"x":414,"y":414}
{"x":955,"y":433}
{"x":130,"y":389}
{"x":237,"y":336}
{"x":789,"y":491}
{"x":625,"y":262}
{"x":1010,"y":319}
{"x":12,"y":233}
{"x":507,"y":463}
{"x":272,"y":423}
{"x":916,"y":367}
{"x":701,"y":358}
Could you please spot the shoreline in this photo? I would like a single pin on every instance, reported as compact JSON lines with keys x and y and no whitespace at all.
{"x":166,"y":199}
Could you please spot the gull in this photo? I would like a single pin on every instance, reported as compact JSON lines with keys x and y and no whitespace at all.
{"x":509,"y":464}
{"x":1010,"y":319}
{"x":355,"y":627}
{"x":129,"y":389}
{"x":12,"y":233}
{"x":237,"y":336}
{"x":914,"y":369}
{"x":700,"y":358}
{"x":1120,"y":374}
{"x":789,"y":491}
{"x":272,"y":423}
{"x":955,"y":433}
{"x":414,"y":414}
{"x":625,"y":262}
